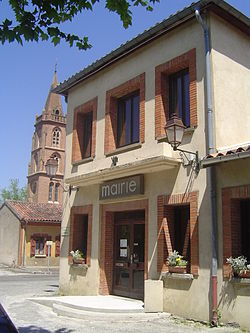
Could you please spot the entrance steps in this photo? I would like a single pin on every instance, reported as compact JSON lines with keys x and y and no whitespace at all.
{"x":87,"y":306}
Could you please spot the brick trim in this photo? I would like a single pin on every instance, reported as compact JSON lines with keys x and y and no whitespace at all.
{"x":137,"y":83}
{"x":162,"y":71}
{"x":107,"y":240}
{"x":77,"y":130}
{"x":81,"y":210}
{"x":230,"y":220}
{"x":165,"y":203}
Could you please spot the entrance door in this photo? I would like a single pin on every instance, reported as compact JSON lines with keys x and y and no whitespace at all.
{"x":129,"y":258}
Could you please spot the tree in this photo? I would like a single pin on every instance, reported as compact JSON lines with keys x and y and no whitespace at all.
{"x":13,"y":192}
{"x":41,"y":19}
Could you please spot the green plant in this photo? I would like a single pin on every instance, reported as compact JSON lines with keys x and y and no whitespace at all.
{"x":238,"y":264}
{"x":77,"y":254}
{"x":175,"y":259}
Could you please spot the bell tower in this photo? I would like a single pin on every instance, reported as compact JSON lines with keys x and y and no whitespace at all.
{"x":48,"y":142}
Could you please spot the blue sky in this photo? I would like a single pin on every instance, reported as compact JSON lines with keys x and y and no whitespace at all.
{"x":26,"y":72}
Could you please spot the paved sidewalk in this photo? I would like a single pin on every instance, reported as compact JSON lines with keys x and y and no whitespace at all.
{"x":30,"y":269}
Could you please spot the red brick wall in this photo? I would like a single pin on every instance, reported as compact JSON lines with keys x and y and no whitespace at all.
{"x":107,"y":240}
{"x":137,"y":83}
{"x":166,"y":204}
{"x":78,"y":130}
{"x":231,"y":221}
{"x":74,"y":214}
{"x":186,"y":60}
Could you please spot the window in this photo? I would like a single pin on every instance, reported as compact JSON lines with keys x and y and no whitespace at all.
{"x":245,"y":228}
{"x":81,"y":231}
{"x":125,"y":115}
{"x":176,"y":91}
{"x":128,"y":120}
{"x":40,"y":246}
{"x":86,"y":143}
{"x":236,"y":226}
{"x":56,"y":137}
{"x":178,"y":229}
{"x":51,"y":184}
{"x":57,"y":192}
{"x":179,"y":99}
{"x":84,"y":131}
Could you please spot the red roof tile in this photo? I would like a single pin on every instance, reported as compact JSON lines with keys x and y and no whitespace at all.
{"x":36,"y":212}
{"x":226,"y":155}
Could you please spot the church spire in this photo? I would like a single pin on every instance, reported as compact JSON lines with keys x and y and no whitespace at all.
{"x":53,"y":103}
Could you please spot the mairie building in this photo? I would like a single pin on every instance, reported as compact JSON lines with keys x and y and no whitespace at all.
{"x":134,"y":200}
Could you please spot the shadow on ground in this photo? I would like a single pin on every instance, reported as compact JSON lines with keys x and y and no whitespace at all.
{"x":35,"y":329}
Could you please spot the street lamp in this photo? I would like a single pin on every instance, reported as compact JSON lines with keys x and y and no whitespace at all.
{"x":174,"y":131}
{"x":51,"y":170}
{"x":51,"y":167}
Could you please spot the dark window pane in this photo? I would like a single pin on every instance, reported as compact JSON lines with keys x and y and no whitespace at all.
{"x":179,"y":99}
{"x":187,"y":100}
{"x":128,"y":120}
{"x":136,"y":113}
{"x":87,"y":134}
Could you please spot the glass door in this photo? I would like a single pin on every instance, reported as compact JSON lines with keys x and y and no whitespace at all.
{"x":129,"y":259}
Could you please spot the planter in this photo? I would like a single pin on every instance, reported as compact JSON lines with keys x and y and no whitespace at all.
{"x":79,"y":261}
{"x":177,"y":269}
{"x":243,"y":275}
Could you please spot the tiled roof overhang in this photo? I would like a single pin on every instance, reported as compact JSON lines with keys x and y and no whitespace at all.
{"x":226,"y":156}
{"x":219,"y":7}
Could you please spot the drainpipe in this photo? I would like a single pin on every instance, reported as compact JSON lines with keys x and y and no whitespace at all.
{"x":211,"y":149}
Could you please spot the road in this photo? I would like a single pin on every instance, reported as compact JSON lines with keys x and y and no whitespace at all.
{"x":16,"y":289}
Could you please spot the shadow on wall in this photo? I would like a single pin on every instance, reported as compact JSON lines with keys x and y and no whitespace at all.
{"x":35,"y":329}
{"x":227,"y":296}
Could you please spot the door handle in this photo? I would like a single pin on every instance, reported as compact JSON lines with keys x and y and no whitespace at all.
{"x":131,"y":259}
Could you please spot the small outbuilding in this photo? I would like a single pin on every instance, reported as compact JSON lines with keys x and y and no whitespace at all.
{"x":25,"y":228}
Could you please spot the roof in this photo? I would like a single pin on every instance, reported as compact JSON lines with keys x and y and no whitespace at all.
{"x":36,"y":212}
{"x":218,"y":6}
{"x":226,"y":156}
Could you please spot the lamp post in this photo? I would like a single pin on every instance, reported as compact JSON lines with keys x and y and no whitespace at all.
{"x":174,"y":131}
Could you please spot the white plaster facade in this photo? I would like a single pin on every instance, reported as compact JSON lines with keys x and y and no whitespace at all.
{"x":163,"y":171}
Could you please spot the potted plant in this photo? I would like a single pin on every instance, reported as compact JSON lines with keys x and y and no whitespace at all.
{"x":176,"y":263}
{"x":78,"y":257}
{"x":239,"y":266}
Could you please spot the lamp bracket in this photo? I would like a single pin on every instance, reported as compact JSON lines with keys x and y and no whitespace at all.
{"x":190,"y":161}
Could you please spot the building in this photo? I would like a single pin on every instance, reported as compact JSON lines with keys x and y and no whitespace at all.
{"x":48,"y":142}
{"x":29,"y":225}
{"x":137,"y":199}
{"x":25,"y":229}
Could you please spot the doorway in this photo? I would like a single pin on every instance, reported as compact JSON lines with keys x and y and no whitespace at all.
{"x":129,"y":254}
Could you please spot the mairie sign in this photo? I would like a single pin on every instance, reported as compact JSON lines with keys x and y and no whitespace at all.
{"x":122,"y":187}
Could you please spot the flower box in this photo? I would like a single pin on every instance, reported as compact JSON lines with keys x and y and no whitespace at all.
{"x":177,"y":269}
{"x":79,"y":261}
{"x":246,"y":274}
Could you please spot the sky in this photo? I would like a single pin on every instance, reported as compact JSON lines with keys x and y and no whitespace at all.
{"x":26,"y":72}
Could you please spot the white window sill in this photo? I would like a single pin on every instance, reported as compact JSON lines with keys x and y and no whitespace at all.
{"x":40,"y":255}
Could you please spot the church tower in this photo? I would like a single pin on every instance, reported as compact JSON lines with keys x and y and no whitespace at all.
{"x":48,"y":142}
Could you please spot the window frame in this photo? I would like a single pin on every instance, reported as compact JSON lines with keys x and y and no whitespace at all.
{"x":129,"y":128}
{"x":231,"y":197}
{"x":77,"y":211}
{"x":162,"y":73}
{"x":164,"y":202}
{"x":112,"y":97}
{"x":78,"y":149}
{"x":174,"y":96}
